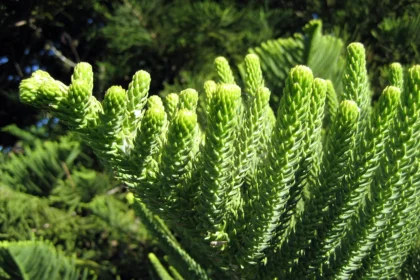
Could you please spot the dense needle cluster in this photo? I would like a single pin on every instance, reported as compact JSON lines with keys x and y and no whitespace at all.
{"x":250,"y":193}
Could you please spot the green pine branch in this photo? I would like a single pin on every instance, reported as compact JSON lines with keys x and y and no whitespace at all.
{"x":326,"y":187}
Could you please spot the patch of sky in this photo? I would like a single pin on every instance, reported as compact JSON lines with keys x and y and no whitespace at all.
{"x":46,"y":120}
{"x":42,"y":122}
{"x":6,"y":150}
{"x":3,"y":60}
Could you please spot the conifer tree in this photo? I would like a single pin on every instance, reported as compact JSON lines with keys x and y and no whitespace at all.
{"x":252,"y":194}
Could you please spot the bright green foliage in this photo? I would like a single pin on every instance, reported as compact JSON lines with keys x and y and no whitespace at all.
{"x":336,"y":162}
{"x":147,"y":139}
{"x":162,"y":272}
{"x":223,"y":71}
{"x":404,"y":219}
{"x":188,"y":99}
{"x":254,"y":74}
{"x":267,"y":201}
{"x":331,"y":104}
{"x":393,"y":186}
{"x":396,"y":76}
{"x":175,"y":171}
{"x":252,"y":194}
{"x":256,"y":99}
{"x":160,"y":269}
{"x":137,"y":94}
{"x":217,"y":190}
{"x":171,"y":105}
{"x":349,"y":197}
{"x":355,"y":83}
{"x":79,"y":93}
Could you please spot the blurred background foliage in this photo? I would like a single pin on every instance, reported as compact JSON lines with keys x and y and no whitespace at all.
{"x":53,"y":188}
{"x":49,"y":191}
{"x":176,"y":41}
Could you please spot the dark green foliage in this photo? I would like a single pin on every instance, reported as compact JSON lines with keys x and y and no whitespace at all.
{"x":49,"y":161}
{"x":179,"y":258}
{"x":320,"y":52}
{"x":26,"y":260}
{"x":166,"y":38}
{"x":50,"y":35}
{"x":411,"y":268}
{"x":46,"y":193}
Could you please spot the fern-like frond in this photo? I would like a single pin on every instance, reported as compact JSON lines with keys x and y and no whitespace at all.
{"x":37,"y":169}
{"x":320,"y":52}
{"x":29,"y":260}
